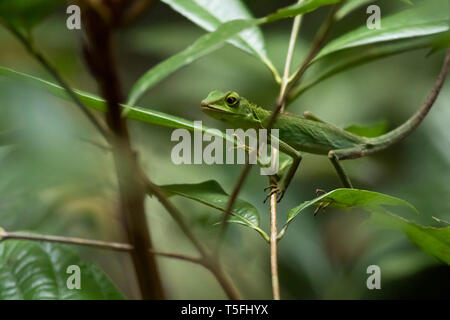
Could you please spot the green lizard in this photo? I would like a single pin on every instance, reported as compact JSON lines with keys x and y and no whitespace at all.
{"x":310,"y":134}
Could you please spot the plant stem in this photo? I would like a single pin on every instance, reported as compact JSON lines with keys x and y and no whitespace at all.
{"x":245,"y":171}
{"x":115,"y":246}
{"x":207,"y":260}
{"x":230,"y":204}
{"x":318,"y":42}
{"x":273,"y":197}
{"x":247,"y":166}
{"x":132,"y":199}
{"x":4,"y":235}
{"x":273,"y":247}
{"x":153,"y":189}
{"x":101,"y":60}
{"x":178,"y":256}
{"x":290,"y":54}
{"x":52,"y":70}
{"x":135,"y":9}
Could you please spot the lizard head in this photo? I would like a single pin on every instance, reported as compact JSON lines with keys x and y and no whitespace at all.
{"x":229,"y":107}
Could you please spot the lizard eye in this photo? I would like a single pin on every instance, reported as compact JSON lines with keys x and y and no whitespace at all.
{"x":232,"y":100}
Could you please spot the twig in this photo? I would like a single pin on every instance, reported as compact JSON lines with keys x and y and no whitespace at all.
{"x":4,"y":235}
{"x":132,"y":206}
{"x":153,"y":189}
{"x":245,"y":171}
{"x":137,"y":8}
{"x":273,"y":247}
{"x":52,"y":70}
{"x":287,"y":85}
{"x":314,"y":50}
{"x":273,"y":197}
{"x":289,"y":55}
{"x":115,"y":246}
{"x":178,"y":256}
{"x":99,"y":54}
{"x":207,"y":259}
{"x":230,"y":204}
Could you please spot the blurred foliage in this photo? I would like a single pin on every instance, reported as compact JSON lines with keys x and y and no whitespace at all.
{"x":57,"y":179}
{"x":40,"y":271}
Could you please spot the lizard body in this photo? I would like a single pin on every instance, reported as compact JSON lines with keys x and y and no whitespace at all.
{"x":310,"y":134}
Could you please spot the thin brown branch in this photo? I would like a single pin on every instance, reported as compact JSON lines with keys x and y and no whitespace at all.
{"x":273,"y":196}
{"x":4,"y":235}
{"x":135,"y":9}
{"x":224,"y":280}
{"x":153,"y":189}
{"x":99,"y":54}
{"x":54,"y":72}
{"x":316,"y":46}
{"x":245,"y":171}
{"x":207,"y":259}
{"x":273,"y":247}
{"x":289,"y":55}
{"x":233,"y":197}
{"x":115,"y":246}
{"x":178,"y":256}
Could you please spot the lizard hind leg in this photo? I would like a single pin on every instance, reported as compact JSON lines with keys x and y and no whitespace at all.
{"x":336,"y":155}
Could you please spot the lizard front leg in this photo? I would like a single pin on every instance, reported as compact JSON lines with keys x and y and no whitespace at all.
{"x":281,"y":186}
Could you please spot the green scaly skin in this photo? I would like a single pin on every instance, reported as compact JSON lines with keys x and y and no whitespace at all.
{"x":310,"y":134}
{"x":302,"y":134}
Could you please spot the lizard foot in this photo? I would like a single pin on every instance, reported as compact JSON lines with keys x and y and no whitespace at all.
{"x":275,"y":188}
{"x":322,"y":205}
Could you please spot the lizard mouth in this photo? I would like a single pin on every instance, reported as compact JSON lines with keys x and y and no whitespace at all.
{"x":209,"y":107}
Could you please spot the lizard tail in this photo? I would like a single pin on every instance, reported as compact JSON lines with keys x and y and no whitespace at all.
{"x":407,"y":127}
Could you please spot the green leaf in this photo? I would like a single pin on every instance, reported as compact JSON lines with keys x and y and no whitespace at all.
{"x":369,"y":131}
{"x":349,"y":198}
{"x":352,"y":5}
{"x":144,"y":115}
{"x":346,"y":59}
{"x":210,"y":14}
{"x":442,"y":43}
{"x":300,"y":7}
{"x":426,"y":18}
{"x":212,"y":194}
{"x":432,"y":240}
{"x":212,"y":41}
{"x":94,"y":102}
{"x":25,"y":14}
{"x":33,"y":270}
{"x":201,"y":47}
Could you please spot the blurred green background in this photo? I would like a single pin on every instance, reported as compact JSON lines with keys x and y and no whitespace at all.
{"x":55,"y":182}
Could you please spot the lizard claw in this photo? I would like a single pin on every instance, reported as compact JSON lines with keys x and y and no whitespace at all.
{"x":322,"y":205}
{"x":279,"y":190}
{"x":272,"y":186}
